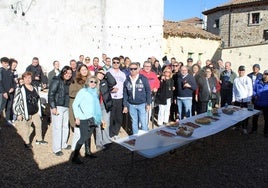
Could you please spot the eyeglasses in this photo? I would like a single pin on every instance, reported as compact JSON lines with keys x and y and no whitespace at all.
{"x":116,"y":62}
{"x":92,"y":81}
{"x":87,"y":59}
{"x":175,"y":65}
{"x":132,"y":69}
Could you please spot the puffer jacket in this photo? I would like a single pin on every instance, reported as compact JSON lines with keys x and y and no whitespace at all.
{"x":260,"y":93}
{"x":106,"y":85}
{"x":58,"y":94}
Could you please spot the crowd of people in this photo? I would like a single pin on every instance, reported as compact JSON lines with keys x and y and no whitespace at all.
{"x":103,"y":96}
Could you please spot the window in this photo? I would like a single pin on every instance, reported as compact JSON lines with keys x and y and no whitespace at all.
{"x":265,"y":35}
{"x":200,"y":56}
{"x":254,"y":18}
{"x":216,"y":24}
{"x":190,"y":54}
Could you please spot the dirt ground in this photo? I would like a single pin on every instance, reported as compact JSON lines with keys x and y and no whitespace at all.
{"x":227,"y":159}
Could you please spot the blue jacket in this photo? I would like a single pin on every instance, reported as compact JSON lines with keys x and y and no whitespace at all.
{"x":142,"y":91}
{"x":260,"y":93}
{"x":258,"y":76}
{"x":87,"y":105}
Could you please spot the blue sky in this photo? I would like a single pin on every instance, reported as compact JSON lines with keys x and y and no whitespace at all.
{"x":176,"y":10}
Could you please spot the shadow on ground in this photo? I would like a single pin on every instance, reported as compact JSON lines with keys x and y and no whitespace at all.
{"x":227,"y":159}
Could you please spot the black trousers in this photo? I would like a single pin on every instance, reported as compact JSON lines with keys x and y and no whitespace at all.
{"x":7,"y":106}
{"x":116,"y":117}
{"x":243,"y":123}
{"x":265,"y":115}
{"x":226,"y":96}
{"x":86,"y":131}
{"x":255,"y":119}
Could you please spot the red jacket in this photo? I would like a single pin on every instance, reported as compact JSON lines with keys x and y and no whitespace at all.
{"x":152,"y":78}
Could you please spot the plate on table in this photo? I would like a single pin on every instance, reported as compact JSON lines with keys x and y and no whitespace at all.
{"x":190,"y":124}
{"x":228,"y":111}
{"x":165,"y":133}
{"x":185,"y":131}
{"x":173,"y":125}
{"x":212,"y":118}
{"x":203,"y":121}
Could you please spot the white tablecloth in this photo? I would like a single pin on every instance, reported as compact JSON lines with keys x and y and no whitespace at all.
{"x":151,"y":144}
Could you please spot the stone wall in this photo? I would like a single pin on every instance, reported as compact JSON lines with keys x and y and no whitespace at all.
{"x":247,"y":56}
{"x":180,"y":47}
{"x":241,"y":33}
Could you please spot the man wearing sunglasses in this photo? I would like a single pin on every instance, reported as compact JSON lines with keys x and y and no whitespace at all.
{"x":136,"y":98}
{"x":117,"y":98}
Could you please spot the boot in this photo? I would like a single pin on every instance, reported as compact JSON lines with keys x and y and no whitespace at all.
{"x":75,"y":158}
{"x":87,"y":150}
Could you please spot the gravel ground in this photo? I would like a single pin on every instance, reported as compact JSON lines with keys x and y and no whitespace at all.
{"x":227,"y":159}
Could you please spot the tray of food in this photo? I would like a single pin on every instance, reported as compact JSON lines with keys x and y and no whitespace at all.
{"x":228,"y":111}
{"x":165,"y":133}
{"x":185,"y":131}
{"x":203,"y":121}
{"x":190,"y":124}
{"x":212,"y":118}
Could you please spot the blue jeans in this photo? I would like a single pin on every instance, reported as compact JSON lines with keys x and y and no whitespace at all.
{"x":184,"y":106}
{"x":138,"y":114}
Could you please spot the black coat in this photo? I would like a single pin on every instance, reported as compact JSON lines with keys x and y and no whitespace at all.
{"x":58,"y":94}
{"x":106,"y":85}
{"x":37,"y":72}
{"x":165,"y":91}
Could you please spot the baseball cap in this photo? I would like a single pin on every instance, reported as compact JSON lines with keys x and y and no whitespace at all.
{"x":256,"y":66}
{"x":242,"y":68}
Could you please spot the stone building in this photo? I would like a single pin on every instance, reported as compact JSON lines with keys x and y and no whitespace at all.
{"x":243,"y":28}
{"x":239,"y":22}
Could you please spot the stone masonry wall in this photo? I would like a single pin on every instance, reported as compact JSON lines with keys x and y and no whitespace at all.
{"x":241,"y":33}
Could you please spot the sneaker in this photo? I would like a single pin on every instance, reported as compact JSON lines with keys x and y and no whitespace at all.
{"x":59,"y":153}
{"x":28,"y":146}
{"x":68,"y":147}
{"x":42,"y":142}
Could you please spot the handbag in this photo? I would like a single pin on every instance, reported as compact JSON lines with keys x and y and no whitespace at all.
{"x":213,"y":96}
{"x":91,"y":122}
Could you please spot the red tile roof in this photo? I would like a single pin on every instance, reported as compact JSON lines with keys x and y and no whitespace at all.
{"x":236,"y":4}
{"x":187,"y":29}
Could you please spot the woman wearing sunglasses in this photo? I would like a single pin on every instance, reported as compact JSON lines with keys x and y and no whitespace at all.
{"x":87,"y":117}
